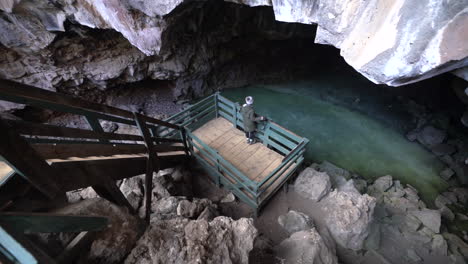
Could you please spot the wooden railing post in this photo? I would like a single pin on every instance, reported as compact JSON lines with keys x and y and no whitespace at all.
{"x":109,"y":190}
{"x":152,"y":164}
{"x":96,"y":126}
{"x":216,"y":104}
{"x":234,"y":115}
{"x":184,"y":139}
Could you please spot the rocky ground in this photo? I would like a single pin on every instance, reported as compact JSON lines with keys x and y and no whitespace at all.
{"x":182,"y":229}
{"x":350,"y":221}
{"x":327,"y":215}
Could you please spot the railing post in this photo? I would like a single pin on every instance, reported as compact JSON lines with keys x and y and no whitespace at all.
{"x":218,"y":180}
{"x":152,"y":163}
{"x":184,"y":140}
{"x":216,"y":104}
{"x":96,"y":126}
{"x":234,"y":115}
{"x":154,"y":133}
{"x":266,"y":133}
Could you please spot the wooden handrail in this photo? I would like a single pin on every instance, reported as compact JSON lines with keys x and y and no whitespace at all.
{"x":26,"y":94}
{"x":35,"y":129}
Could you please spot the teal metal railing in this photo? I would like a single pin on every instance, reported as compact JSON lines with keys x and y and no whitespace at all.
{"x":272,"y":135}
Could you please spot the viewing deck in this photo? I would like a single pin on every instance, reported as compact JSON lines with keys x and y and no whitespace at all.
{"x":254,"y":161}
{"x":216,"y":139}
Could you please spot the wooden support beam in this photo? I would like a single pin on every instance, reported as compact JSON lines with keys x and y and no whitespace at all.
{"x":110,"y":191}
{"x":19,"y":155}
{"x":63,"y":151}
{"x":76,"y":247}
{"x":160,"y":140}
{"x":78,"y":174}
{"x":148,"y":189}
{"x":51,"y":223}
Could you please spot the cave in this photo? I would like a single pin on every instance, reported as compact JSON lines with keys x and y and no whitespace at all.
{"x":360,"y":109}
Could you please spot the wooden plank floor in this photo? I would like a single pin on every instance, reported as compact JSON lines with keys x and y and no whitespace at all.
{"x":5,"y":171}
{"x":255,"y":161}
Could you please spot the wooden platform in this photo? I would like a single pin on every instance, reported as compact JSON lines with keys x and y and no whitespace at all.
{"x":255,"y":161}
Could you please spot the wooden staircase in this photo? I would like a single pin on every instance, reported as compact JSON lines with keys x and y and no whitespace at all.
{"x":40,"y":163}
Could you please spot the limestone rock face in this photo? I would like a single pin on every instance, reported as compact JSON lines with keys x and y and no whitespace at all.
{"x":306,"y":247}
{"x":349,"y":215}
{"x":386,"y":41}
{"x":108,"y":43}
{"x":181,"y":240}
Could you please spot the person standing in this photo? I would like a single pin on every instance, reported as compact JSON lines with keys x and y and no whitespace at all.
{"x":250,"y":119}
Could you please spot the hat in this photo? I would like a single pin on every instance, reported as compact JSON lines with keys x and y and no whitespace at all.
{"x":249,"y":100}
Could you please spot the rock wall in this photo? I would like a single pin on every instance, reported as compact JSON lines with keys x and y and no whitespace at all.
{"x":51,"y":43}
{"x":201,"y":46}
{"x":391,"y":42}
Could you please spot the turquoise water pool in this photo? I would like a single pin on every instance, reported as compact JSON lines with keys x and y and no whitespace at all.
{"x":359,"y":130}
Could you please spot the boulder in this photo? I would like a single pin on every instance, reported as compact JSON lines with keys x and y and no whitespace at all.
{"x":312,"y":184}
{"x":412,"y":223}
{"x":446,"y":174}
{"x":294,"y":222}
{"x":446,"y":213}
{"x":229,"y":198}
{"x":372,"y":242}
{"x":456,"y":245}
{"x":439,"y":245}
{"x":443,"y":149}
{"x":192,"y":209}
{"x":413,"y":256}
{"x":133,"y":190}
{"x":461,"y":194}
{"x":429,"y":218}
{"x":360,"y":184}
{"x":411,"y":193}
{"x":431,"y":136}
{"x":464,"y":118}
{"x":306,"y":246}
{"x":81,"y":194}
{"x":110,"y":245}
{"x":383,"y":183}
{"x":451,"y":196}
{"x":166,"y":205}
{"x":338,"y":176}
{"x":181,"y":240}
{"x":348,"y":217}
{"x":208,"y":214}
{"x":441,"y":201}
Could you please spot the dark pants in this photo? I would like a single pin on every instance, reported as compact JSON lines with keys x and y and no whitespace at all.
{"x":250,"y":135}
